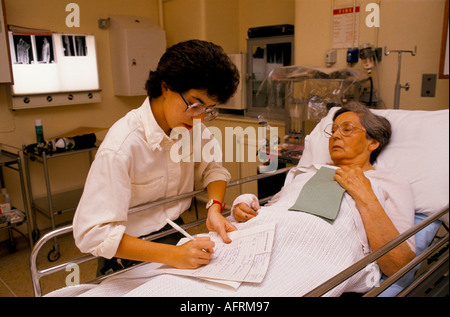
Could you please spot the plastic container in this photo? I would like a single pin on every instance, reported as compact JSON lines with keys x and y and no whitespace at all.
{"x":39,"y":131}
{"x":63,"y":144}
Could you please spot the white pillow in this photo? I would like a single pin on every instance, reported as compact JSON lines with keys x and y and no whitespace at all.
{"x":418,"y":150}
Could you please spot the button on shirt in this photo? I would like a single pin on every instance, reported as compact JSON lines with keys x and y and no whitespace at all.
{"x":133,"y":166}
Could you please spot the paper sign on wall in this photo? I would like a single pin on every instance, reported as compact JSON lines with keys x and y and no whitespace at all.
{"x":345,"y":27}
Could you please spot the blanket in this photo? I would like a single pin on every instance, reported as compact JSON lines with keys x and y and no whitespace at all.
{"x":307,"y":251}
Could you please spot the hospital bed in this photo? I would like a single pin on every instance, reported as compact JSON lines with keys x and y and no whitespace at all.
{"x":419,"y":150}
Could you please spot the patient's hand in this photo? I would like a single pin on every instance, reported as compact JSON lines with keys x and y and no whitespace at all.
{"x":243,"y":212}
{"x":353,"y":180}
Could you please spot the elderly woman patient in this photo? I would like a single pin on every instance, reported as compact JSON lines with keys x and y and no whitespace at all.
{"x":382,"y":199}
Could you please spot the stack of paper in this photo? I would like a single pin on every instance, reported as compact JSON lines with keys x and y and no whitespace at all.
{"x":246,"y":259}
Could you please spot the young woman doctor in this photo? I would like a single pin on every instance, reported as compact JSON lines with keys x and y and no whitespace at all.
{"x":133,"y":165}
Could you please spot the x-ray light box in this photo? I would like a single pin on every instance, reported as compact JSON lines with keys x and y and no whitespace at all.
{"x":53,"y":69}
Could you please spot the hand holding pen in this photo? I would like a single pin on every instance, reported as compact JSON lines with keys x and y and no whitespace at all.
{"x":194,"y":253}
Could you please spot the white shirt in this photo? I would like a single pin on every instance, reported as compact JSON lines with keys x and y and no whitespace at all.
{"x":133,"y":166}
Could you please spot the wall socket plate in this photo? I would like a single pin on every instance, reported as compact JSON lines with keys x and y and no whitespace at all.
{"x":428,"y":85}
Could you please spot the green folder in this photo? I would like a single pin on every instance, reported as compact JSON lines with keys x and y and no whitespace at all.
{"x":321,"y":195}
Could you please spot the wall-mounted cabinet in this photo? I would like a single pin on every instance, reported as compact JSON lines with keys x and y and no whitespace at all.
{"x":136,"y":44}
{"x":5,"y":66}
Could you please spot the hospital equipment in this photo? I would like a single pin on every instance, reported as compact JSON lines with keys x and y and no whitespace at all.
{"x":11,"y":158}
{"x":398,"y":86}
{"x":53,"y":204}
{"x":309,"y":92}
{"x":264,"y":54}
{"x":418,"y":151}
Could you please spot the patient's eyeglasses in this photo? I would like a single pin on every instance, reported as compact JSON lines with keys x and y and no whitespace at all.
{"x":197,"y":109}
{"x":346,"y":129}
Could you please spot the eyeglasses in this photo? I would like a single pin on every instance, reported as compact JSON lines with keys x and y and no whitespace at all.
{"x":198,"y":109}
{"x":346,"y":129}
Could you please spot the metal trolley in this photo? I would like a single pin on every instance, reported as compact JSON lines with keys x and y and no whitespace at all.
{"x":52,"y":204}
{"x":10,"y":157}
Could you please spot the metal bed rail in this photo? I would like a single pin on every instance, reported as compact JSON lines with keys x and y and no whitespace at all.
{"x":361,"y":264}
{"x":37,"y":274}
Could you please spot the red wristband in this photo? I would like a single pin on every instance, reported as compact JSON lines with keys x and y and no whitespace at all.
{"x":212,"y":202}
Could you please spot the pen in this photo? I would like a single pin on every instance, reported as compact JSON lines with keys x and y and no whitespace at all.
{"x":179,"y":229}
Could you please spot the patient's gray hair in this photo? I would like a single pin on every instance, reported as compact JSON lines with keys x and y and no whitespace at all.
{"x":377,"y":127}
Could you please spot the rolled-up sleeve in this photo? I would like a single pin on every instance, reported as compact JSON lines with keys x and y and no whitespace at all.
{"x":99,"y":221}
{"x":214,"y":172}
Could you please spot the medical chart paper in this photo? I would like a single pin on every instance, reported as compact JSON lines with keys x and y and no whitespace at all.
{"x":245,"y":259}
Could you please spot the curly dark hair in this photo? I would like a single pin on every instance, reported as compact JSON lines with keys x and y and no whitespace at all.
{"x":195,"y":64}
{"x":377,"y":127}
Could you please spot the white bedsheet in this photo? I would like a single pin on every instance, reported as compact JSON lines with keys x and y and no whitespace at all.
{"x":307,"y":251}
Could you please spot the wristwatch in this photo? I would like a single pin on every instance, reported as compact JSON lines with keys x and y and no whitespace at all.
{"x":212,"y":202}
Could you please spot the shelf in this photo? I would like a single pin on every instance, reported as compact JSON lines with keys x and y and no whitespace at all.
{"x":10,"y":158}
{"x":52,"y":204}
{"x":7,"y":224}
{"x":61,"y":203}
{"x":7,"y":158}
{"x":39,"y":157}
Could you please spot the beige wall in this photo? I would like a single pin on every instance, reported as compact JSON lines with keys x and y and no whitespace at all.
{"x":213,"y":20}
{"x":403,"y":24}
{"x":223,"y":22}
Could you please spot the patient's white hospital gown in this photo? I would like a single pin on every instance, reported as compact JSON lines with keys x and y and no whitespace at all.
{"x":307,"y":250}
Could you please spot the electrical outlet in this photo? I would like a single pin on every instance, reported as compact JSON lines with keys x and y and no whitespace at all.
{"x":428,"y":85}
{"x":352,"y":55}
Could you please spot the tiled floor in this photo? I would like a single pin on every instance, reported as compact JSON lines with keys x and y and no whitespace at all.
{"x":15,"y":277}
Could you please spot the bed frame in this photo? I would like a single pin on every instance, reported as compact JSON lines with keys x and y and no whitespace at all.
{"x":433,"y":281}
